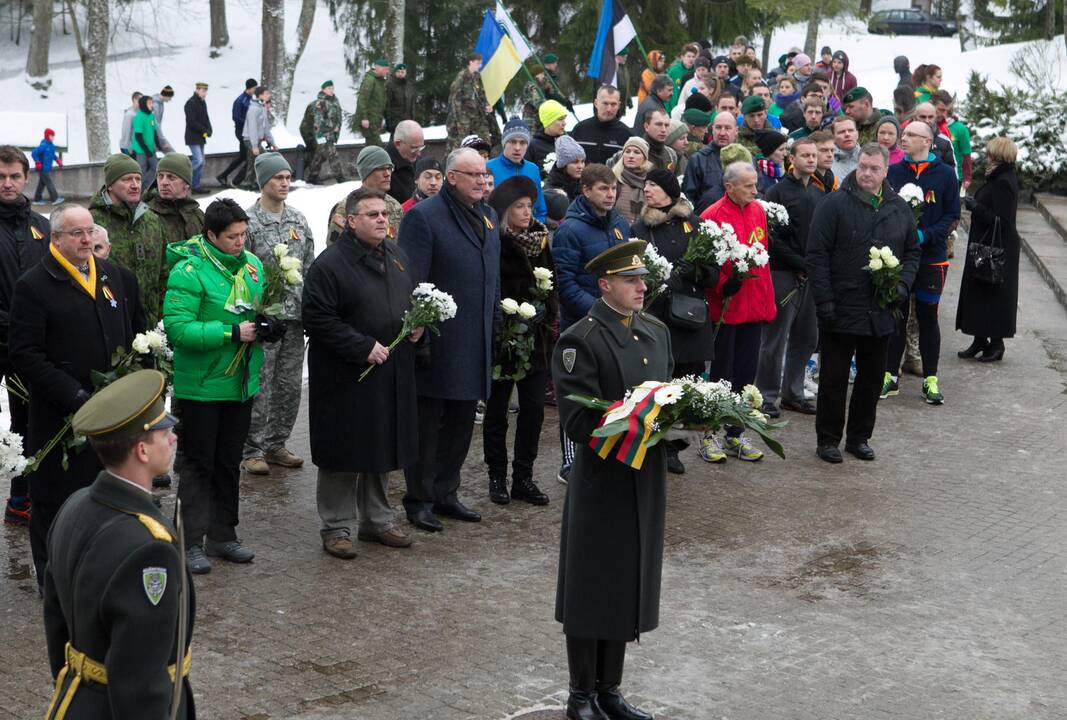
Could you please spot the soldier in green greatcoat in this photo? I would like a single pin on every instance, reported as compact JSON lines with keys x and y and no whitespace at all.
{"x":370,"y":106}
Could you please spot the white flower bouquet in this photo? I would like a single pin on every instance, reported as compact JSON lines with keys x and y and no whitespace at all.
{"x":912,"y":194}
{"x":651,"y":410}
{"x":12,"y":461}
{"x":659,"y":271}
{"x":777,"y":215}
{"x":885,"y":274}
{"x":549,"y":162}
{"x":280,"y":278}
{"x":514,"y":345}
{"x":429,"y":308}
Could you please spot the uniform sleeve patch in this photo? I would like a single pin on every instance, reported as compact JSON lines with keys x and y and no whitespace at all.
{"x":569,"y":356}
{"x":154,"y":580}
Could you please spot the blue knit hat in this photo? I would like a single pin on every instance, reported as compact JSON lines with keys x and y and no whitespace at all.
{"x":515,"y":129}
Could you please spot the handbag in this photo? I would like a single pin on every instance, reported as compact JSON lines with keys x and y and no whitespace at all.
{"x":987,"y":256}
{"x":686,"y":312}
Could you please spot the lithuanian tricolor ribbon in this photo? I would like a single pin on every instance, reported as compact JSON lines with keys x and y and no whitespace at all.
{"x":640,"y":411}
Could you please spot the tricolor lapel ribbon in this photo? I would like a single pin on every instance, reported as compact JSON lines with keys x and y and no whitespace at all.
{"x":640,"y":411}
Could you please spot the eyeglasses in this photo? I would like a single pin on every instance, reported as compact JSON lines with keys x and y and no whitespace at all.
{"x":475,"y":175}
{"x":79,"y":234}
{"x":372,"y":215}
{"x":908,"y":133}
{"x":416,"y":148}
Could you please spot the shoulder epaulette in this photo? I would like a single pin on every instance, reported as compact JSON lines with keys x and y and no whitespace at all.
{"x":652,"y":320}
{"x":155,"y":527}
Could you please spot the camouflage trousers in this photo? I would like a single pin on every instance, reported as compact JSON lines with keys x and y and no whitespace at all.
{"x":326,"y":153}
{"x":277,"y":403}
{"x":912,"y":360}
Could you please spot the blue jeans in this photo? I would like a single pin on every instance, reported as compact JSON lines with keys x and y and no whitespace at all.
{"x":197,"y":152}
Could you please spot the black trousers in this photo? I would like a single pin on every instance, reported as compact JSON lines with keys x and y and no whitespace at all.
{"x":44,"y":513}
{"x":737,"y":358}
{"x":527,"y":425}
{"x":595,"y":664}
{"x":835,"y":357}
{"x":44,"y":181}
{"x":445,"y":431}
{"x":213,"y":437}
{"x":20,"y":423}
{"x":239,"y":163}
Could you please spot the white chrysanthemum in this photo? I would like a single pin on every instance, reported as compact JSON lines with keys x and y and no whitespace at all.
{"x":509,"y":306}
{"x":288,"y":263}
{"x":751,"y":395}
{"x":527,"y":311}
{"x":912,"y":194}
{"x":281,"y":250}
{"x":875,"y":264}
{"x":668,"y":395}
{"x":155,"y":340}
{"x":549,"y":162}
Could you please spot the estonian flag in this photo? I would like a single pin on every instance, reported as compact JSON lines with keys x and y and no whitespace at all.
{"x":500,"y":60}
{"x":613,"y":33}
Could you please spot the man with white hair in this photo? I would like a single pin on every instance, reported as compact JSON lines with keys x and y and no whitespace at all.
{"x":405,"y":148}
{"x":453,"y":241}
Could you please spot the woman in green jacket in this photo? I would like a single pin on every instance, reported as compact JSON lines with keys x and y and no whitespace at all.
{"x":210,"y":317}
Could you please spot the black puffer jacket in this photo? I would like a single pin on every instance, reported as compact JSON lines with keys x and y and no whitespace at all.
{"x":540,"y":147}
{"x":21,"y":248}
{"x":669,"y":230}
{"x":789,"y":245}
{"x":844,"y":228}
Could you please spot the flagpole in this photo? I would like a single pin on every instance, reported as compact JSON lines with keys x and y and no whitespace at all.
{"x":537,"y":57}
{"x":641,"y":47}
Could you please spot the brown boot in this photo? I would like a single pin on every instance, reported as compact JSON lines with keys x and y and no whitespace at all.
{"x":283,"y":457}
{"x":255,"y":466}
{"x":340,"y":547}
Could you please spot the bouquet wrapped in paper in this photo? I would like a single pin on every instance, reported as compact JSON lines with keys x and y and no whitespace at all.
{"x":653,"y":409}
{"x":429,"y":308}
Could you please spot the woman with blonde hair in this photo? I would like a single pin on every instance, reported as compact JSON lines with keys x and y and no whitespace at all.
{"x":630,"y":170}
{"x":987,"y":309}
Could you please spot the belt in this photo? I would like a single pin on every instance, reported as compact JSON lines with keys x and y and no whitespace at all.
{"x":84,"y":667}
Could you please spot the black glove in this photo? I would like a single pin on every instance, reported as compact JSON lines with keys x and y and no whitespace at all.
{"x":902,"y":292}
{"x":731,"y":286}
{"x":824,"y":311}
{"x":969,"y":203}
{"x":269,"y":329}
{"x":81,"y":398}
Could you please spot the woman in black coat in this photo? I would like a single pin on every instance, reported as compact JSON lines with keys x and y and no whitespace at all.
{"x":524,"y":245}
{"x":667,"y":222}
{"x":988,"y":311}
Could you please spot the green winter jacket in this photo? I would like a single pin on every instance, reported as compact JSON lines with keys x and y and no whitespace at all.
{"x":675,"y":72}
{"x":137,"y":244}
{"x":371,"y":103}
{"x":181,"y":219}
{"x":200,"y":328}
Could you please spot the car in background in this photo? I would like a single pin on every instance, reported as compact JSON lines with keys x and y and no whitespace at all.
{"x":910,"y":22}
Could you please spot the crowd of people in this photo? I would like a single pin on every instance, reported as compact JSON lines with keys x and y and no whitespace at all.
{"x":714,"y":136}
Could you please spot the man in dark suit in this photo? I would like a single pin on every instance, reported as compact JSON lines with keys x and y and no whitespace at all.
{"x":118,"y":601}
{"x":611,"y":544}
{"x":453,"y":242}
{"x":69,"y":315}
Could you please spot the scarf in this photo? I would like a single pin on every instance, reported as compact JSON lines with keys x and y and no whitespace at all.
{"x":783,"y":101}
{"x":532,"y":241}
{"x":88,"y":284}
{"x":770,"y":168}
{"x":240,"y":298}
{"x":472,"y":214}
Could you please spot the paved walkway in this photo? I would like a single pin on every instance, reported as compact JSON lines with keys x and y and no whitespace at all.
{"x":929,"y":584}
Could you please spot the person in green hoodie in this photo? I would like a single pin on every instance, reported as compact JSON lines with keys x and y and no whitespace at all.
{"x":678,"y":71}
{"x":143,"y":145}
{"x":135,"y":231}
{"x":210,"y":316}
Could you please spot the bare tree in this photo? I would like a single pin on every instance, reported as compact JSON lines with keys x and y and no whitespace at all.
{"x":40,"y":40}
{"x":92,"y":49}
{"x":220,"y":34}
{"x":279,"y":65}
{"x":767,"y":36}
{"x":1050,"y":19}
{"x":394,"y":30}
{"x":812,"y":37}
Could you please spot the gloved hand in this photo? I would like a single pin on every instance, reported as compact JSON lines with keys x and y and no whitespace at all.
{"x":731,"y":286}
{"x":969,"y":203}
{"x":59,"y":162}
{"x":81,"y":398}
{"x":269,"y":329}
{"x":902,"y":292}
{"x":38,"y":164}
{"x":824,"y":311}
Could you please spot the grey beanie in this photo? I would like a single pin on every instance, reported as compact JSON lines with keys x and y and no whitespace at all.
{"x":515,"y":129}
{"x":268,"y":165}
{"x":370,"y":159}
{"x":568,"y":151}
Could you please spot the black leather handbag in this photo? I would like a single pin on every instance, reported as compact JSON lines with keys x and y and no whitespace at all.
{"x":686,"y":312}
{"x":987,"y":256}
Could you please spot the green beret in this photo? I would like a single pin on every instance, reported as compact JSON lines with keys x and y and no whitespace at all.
{"x":753,"y":103}
{"x":328,"y":83}
{"x":550,"y":58}
{"x":118,"y":165}
{"x":622,"y":259}
{"x":381,"y":62}
{"x":131,"y":405}
{"x":400,"y":66}
{"x":856,"y":93}
{"x":693,"y":116}
{"x":177,"y":164}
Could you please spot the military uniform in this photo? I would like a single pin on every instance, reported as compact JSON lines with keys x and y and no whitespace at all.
{"x":393,"y":210}
{"x":399,"y":102}
{"x":117,"y":597}
{"x":277,"y":403}
{"x":533,"y":94}
{"x":466,"y":111}
{"x":327,"y":129}
{"x":371,"y":107}
{"x":611,"y":544}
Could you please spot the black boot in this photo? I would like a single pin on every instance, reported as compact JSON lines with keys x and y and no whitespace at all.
{"x":611,"y":654}
{"x":674,"y":463}
{"x":524,"y":488}
{"x":979,"y":344}
{"x":498,"y":489}
{"x":994,"y":352}
{"x":581,"y":661}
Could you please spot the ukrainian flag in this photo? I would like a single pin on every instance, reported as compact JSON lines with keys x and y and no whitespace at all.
{"x":500,"y":59}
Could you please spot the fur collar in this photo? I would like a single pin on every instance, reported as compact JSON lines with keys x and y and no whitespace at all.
{"x":654,"y":217}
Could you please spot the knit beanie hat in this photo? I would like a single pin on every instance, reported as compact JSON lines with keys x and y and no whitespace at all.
{"x":734,"y":152}
{"x":49,"y":132}
{"x":268,"y":165}
{"x":639,"y":143}
{"x":568,"y":151}
{"x":769,"y":140}
{"x":551,"y":111}
{"x":826,"y":50}
{"x":370,"y":159}
{"x":801,"y":61}
{"x":510,"y":191}
{"x":515,"y":129}
{"x":677,"y":130}
{"x":698,"y":101}
{"x":666,"y":180}
{"x":427,"y":162}
{"x":178,"y":164}
{"x":890,"y":119}
{"x":118,"y":165}
{"x":251,"y":83}
{"x":696,"y":117}
{"x":167,"y":91}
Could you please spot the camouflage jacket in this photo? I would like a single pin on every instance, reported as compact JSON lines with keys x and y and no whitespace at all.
{"x":138,"y":243}
{"x":466,"y":108}
{"x":533,"y":94}
{"x":400,"y":101}
{"x":371,"y":103}
{"x":327,"y":117}
{"x":265,"y":231}
{"x":392,"y":207}
{"x":181,"y":219}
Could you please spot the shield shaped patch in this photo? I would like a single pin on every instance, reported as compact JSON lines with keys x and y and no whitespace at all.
{"x":569,"y":356}
{"x":155,"y":583}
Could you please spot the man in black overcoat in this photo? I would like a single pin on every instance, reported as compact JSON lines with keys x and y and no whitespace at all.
{"x":69,"y":315}
{"x":611,"y":544}
{"x":355,"y":296}
{"x":118,"y":600}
